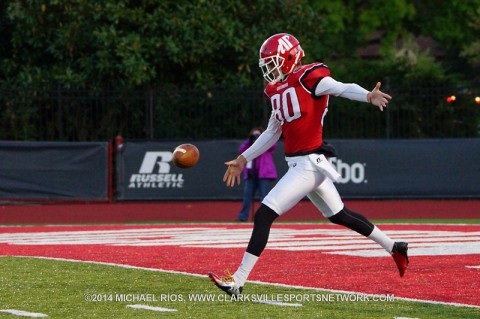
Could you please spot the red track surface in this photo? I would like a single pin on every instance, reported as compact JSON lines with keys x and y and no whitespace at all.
{"x":443,"y":278}
{"x":223,"y":211}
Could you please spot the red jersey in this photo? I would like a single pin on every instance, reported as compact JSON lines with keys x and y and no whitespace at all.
{"x":297,"y":108}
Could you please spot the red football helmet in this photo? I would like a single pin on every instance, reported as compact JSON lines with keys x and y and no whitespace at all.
{"x":279,"y":55}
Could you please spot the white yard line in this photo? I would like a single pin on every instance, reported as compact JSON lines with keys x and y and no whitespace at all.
{"x":144,"y":307}
{"x":474,"y":267}
{"x":22,"y":313}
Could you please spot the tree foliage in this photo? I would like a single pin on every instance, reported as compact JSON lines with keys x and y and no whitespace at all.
{"x":212,"y":45}
{"x":456,"y":28}
{"x":131,"y":43}
{"x":143,"y":42}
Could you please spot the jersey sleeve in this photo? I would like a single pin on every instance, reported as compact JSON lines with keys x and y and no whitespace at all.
{"x":313,"y":75}
{"x":265,"y":141}
{"x":352,"y":91}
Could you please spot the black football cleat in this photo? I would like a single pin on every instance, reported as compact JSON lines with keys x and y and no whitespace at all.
{"x":399,"y":254}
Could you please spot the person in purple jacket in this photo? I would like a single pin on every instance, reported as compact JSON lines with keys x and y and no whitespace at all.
{"x":258,"y":174}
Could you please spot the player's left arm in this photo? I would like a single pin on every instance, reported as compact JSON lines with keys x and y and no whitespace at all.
{"x":352,"y":91}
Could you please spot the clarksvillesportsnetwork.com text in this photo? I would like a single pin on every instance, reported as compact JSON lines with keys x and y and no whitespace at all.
{"x":311,"y":297}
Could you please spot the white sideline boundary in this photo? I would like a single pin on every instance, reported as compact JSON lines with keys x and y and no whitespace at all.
{"x":253,"y":281}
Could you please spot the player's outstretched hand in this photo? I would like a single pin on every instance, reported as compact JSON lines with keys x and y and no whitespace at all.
{"x":234,"y":171}
{"x":378,"y":98}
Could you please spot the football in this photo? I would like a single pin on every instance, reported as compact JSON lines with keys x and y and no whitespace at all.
{"x":186,"y":156}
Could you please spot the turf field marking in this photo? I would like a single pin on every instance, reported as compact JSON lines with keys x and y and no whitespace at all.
{"x":474,"y":267}
{"x":331,"y":241}
{"x":151,"y":308}
{"x":22,"y":313}
{"x":455,"y":304}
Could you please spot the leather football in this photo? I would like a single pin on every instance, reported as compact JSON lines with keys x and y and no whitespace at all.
{"x":186,"y":156}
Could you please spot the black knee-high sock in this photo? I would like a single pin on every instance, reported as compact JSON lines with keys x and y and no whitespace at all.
{"x":354,"y":221}
{"x":262,"y":222}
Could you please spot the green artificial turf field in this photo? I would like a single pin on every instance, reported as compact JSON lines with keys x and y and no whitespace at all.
{"x":65,"y":289}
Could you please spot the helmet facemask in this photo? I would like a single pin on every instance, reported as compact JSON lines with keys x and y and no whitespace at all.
{"x":271,"y":68}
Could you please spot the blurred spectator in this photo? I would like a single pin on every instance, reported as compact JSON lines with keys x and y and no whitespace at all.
{"x":258,"y":174}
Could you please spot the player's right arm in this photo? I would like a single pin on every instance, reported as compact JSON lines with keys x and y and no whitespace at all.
{"x":263,"y":143}
{"x":234,"y":170}
{"x":266,"y":140}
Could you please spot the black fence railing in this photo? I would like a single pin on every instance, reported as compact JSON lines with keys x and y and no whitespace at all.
{"x":173,"y":113}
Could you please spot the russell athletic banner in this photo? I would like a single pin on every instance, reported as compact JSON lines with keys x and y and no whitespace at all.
{"x":429,"y":168}
{"x":54,"y":170}
{"x":145,"y":171}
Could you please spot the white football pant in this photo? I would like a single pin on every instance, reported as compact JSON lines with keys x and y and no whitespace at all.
{"x":304,"y":179}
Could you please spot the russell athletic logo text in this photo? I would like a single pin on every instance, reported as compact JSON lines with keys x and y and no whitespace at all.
{"x":155,"y":172}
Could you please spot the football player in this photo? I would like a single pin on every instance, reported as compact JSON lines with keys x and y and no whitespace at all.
{"x":299,"y":97}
